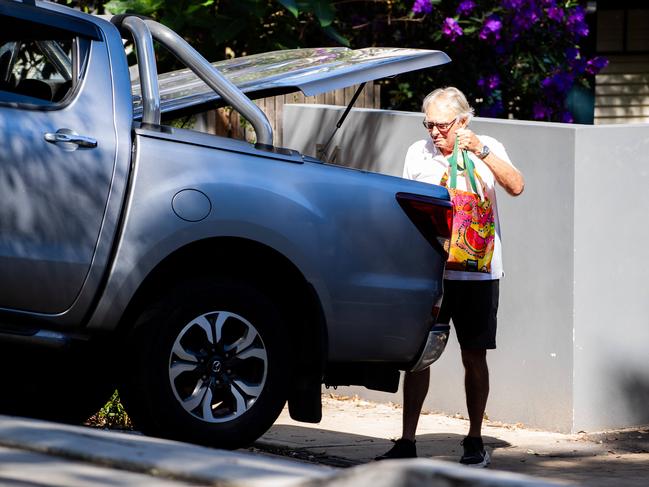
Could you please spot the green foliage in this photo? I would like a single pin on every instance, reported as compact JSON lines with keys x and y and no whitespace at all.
{"x":291,"y":6}
{"x":88,"y":6}
{"x":400,"y":94}
{"x":227,"y":28}
{"x":518,"y":58}
{"x":112,"y":415}
{"x":524,"y":67}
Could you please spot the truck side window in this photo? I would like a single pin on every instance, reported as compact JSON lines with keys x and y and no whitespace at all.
{"x":39,"y":67}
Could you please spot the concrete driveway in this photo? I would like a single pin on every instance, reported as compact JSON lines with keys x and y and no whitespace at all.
{"x":39,"y":453}
{"x":354,"y":431}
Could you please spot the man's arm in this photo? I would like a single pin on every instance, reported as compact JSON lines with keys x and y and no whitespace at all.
{"x":505,"y":173}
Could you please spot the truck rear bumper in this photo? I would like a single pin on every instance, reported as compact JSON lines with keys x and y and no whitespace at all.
{"x":435,"y":345}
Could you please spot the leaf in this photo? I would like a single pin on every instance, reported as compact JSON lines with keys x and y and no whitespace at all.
{"x":194,"y":7}
{"x":291,"y":6}
{"x":324,"y":11}
{"x":333,"y":33}
{"x":142,"y":7}
{"x":226,"y":29}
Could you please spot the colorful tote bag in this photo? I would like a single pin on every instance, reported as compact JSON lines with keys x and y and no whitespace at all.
{"x":474,"y":227}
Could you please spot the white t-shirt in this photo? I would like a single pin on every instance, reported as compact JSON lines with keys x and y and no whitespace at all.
{"x":425,"y":163}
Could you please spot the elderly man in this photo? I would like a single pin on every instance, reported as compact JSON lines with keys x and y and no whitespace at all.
{"x":470,"y":165}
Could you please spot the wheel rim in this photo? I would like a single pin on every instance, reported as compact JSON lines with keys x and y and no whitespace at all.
{"x":218,"y":366}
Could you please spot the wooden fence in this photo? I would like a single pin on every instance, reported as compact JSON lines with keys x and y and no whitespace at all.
{"x":226,"y":122}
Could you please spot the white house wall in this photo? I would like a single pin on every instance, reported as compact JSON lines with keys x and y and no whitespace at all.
{"x":573,"y":342}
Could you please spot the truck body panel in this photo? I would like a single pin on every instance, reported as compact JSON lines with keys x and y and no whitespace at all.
{"x":375,"y":298}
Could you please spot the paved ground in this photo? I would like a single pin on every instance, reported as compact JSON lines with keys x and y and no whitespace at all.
{"x":354,"y":431}
{"x":38,"y":453}
{"x":43,"y":454}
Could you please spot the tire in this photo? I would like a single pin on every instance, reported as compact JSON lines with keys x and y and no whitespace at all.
{"x":209,"y":365}
{"x":58,"y":385}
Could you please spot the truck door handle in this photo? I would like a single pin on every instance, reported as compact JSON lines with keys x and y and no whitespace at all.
{"x":67,"y":136}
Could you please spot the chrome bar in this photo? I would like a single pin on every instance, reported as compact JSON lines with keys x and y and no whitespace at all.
{"x":214,"y":79}
{"x":147,"y":68}
{"x":58,"y":57}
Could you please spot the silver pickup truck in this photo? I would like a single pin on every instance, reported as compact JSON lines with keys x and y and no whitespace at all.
{"x":211,"y":280}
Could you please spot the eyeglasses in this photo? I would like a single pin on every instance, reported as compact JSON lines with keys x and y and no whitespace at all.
{"x":442,"y":127}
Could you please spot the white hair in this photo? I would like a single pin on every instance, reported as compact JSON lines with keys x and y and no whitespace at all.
{"x":451,"y":98}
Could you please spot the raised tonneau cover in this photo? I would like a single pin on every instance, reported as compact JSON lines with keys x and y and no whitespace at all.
{"x":312,"y":71}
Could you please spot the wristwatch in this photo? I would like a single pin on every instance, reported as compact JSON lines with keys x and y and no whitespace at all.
{"x":485,"y":152}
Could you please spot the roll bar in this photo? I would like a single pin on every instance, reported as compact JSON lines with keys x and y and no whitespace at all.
{"x":144,"y":31}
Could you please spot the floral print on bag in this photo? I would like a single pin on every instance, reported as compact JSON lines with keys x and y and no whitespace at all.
{"x":474,"y":227}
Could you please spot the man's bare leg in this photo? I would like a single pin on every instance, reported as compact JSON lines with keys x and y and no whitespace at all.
{"x":415,"y":388}
{"x":476,"y":384}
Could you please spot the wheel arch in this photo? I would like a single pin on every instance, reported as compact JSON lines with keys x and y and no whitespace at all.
{"x":276,"y":276}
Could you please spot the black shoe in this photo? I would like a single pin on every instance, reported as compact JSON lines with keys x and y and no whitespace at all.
{"x":401,"y":449}
{"x":475,"y":454}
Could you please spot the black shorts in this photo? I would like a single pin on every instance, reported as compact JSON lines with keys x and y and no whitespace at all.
{"x":473,"y":306}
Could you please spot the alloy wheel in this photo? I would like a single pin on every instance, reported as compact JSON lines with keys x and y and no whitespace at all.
{"x":218,"y":366}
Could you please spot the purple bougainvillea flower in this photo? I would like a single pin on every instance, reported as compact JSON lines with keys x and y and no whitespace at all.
{"x":525,"y":17}
{"x":577,"y":65}
{"x":422,"y":7}
{"x":513,"y":4}
{"x":572,"y":53}
{"x":576,"y":21}
{"x":581,"y":29}
{"x":577,"y":14}
{"x":532,"y":15}
{"x":451,"y":29}
{"x":491,"y":28}
{"x":555,"y":13}
{"x":566,"y":117}
{"x":549,"y":3}
{"x":540,"y":111}
{"x":595,"y":65}
{"x":493,"y":81}
{"x":564,"y":81}
{"x":465,"y":7}
{"x":559,"y":82}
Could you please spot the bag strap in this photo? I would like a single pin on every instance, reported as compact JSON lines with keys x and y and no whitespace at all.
{"x":468,"y":167}
{"x":453,"y":163}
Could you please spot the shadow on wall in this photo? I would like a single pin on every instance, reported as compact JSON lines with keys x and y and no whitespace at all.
{"x":635,"y":389}
{"x":356,"y":145}
{"x":368,"y":141}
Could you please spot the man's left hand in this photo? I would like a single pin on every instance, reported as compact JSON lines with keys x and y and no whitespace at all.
{"x":469,"y":141}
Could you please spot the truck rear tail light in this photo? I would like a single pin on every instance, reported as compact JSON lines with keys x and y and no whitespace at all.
{"x":433,"y":217}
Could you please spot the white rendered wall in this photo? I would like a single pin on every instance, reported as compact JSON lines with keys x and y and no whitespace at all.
{"x":573,"y":339}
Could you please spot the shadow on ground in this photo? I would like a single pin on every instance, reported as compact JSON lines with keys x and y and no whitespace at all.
{"x":341,"y":449}
{"x":583,"y":461}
